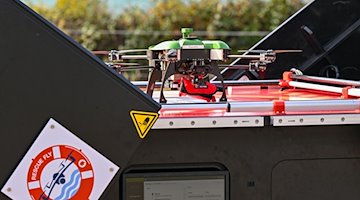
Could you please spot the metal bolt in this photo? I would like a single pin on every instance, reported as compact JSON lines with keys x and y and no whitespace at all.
{"x":301,"y":120}
{"x":257,"y":121}
{"x":280,"y":121}
{"x":9,"y":189}
{"x":171,"y":123}
{"x":322,"y":119}
{"x":343,"y":119}
{"x":52,"y":126}
{"x":111,"y":169}
{"x":192,"y":123}
{"x":236,"y":122}
{"x":214,"y":122}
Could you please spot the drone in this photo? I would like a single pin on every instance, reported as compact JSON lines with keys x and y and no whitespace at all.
{"x":191,"y":61}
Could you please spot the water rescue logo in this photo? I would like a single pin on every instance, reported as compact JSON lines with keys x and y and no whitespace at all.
{"x":60,"y":172}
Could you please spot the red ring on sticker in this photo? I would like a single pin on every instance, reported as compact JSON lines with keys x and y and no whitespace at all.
{"x":60,"y":172}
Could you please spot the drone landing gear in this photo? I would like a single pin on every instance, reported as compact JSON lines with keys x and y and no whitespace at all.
{"x":158,"y":74}
{"x":216,"y":71}
{"x":206,"y":90}
{"x":170,"y":70}
{"x":154,"y":75}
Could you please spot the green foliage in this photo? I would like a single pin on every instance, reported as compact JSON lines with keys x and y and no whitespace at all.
{"x":82,"y":20}
{"x":205,"y":15}
{"x":91,"y":23}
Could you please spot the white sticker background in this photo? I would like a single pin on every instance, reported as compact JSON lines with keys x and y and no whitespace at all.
{"x":52,"y":135}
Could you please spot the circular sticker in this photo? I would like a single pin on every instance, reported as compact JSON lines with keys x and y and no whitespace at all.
{"x":60,"y":172}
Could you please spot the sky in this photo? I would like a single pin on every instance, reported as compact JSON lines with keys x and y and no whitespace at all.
{"x":113,"y":5}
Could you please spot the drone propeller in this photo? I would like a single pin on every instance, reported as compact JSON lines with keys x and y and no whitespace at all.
{"x":272,"y":51}
{"x":119,"y":52}
{"x":123,"y":64}
{"x":130,"y":68}
{"x":263,"y":56}
{"x":244,"y":67}
{"x":101,"y":52}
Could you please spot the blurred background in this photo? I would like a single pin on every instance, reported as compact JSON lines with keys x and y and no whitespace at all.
{"x":128,"y":24}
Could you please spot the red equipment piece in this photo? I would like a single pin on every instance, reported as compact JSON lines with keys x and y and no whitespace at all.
{"x":201,"y":88}
{"x":279,"y":107}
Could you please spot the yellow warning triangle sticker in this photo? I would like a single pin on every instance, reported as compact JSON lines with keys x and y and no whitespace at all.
{"x":143,"y":121}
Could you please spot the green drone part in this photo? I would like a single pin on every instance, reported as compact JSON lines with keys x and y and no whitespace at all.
{"x":190,"y":42}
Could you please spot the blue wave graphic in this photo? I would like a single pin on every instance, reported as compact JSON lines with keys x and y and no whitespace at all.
{"x":71,"y":187}
{"x":72,"y":190}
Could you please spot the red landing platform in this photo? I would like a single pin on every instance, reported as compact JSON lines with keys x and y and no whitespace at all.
{"x":260,"y":101}
{"x":295,"y":104}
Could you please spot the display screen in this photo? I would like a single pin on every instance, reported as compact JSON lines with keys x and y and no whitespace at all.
{"x":194,"y":54}
{"x":175,"y":186}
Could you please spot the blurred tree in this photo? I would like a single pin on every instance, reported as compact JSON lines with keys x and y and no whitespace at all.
{"x":204,"y":15}
{"x":277,"y":11}
{"x":90,"y":22}
{"x":82,"y":20}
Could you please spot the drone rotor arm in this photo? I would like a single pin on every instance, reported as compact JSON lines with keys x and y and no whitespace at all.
{"x":134,"y":57}
{"x":271,"y":51}
{"x":250,"y":57}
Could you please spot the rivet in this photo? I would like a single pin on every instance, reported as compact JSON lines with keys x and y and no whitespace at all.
{"x":280,"y":121}
{"x":322,"y":119}
{"x":257,"y":121}
{"x":9,"y":189}
{"x":111,"y":169}
{"x":343,"y":119}
{"x":52,"y":126}
{"x":236,"y":122}
{"x":192,"y":123}
{"x":301,"y":120}
{"x":214,"y":122}
{"x":171,"y":123}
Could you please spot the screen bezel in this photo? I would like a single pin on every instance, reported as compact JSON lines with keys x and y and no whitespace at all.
{"x":179,"y":174}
